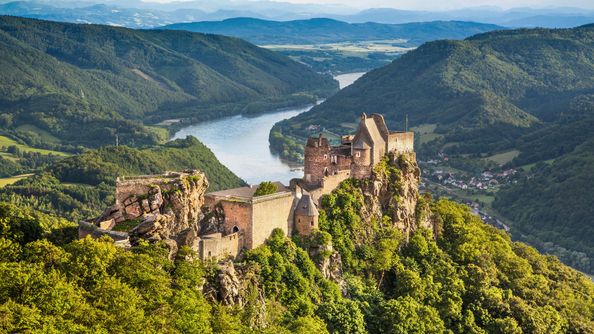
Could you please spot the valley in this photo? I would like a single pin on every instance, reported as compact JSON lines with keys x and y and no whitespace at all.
{"x":253,"y":166}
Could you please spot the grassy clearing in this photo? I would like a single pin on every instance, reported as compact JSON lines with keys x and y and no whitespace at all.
{"x":424,"y":128}
{"x":426,"y":132}
{"x":10,"y":180}
{"x":529,"y":167}
{"x":161,"y":132}
{"x":503,"y":158}
{"x":6,"y":142}
{"x":40,"y":133}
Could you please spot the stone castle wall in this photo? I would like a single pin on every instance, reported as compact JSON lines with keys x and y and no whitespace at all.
{"x":270,"y":212}
{"x":401,"y":142}
{"x":218,"y":246}
{"x":328,"y":184}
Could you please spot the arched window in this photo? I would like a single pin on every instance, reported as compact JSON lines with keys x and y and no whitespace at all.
{"x":312,"y":223}
{"x":235,"y":229}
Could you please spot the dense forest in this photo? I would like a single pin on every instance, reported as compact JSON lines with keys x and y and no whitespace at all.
{"x":84,"y":84}
{"x":463,"y":277}
{"x":529,"y":90}
{"x":79,"y":187}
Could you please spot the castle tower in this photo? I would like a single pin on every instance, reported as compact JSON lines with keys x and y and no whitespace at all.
{"x":305,"y":216}
{"x":317,"y":160}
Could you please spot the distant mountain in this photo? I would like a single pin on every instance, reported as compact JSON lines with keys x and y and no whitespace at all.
{"x":515,"y":17}
{"x":143,"y":14}
{"x":322,"y":30}
{"x":99,"y":14}
{"x":86,"y":83}
{"x":138,"y":14}
{"x":525,"y":90}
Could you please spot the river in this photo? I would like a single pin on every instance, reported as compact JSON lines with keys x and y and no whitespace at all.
{"x":241,"y":142}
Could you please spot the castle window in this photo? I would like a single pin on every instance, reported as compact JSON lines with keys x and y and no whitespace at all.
{"x":312,"y":223}
{"x":358,"y":154}
{"x":298,"y":220}
{"x":235,"y":229}
{"x":325,"y":156}
{"x":209,"y":254}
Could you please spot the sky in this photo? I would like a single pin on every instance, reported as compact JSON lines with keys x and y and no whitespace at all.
{"x":440,"y":4}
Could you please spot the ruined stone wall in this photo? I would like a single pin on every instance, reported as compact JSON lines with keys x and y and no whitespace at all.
{"x":328,"y":184}
{"x":127,"y":187}
{"x":238,"y":214}
{"x":361,"y":172}
{"x":216,"y":246}
{"x":270,"y":212}
{"x":339,"y":162}
{"x":401,"y":142}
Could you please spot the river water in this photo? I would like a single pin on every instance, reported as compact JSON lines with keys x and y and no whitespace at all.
{"x":241,"y":142}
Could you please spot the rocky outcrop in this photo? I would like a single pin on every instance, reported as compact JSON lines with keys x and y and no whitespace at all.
{"x":213,"y":221}
{"x":393,"y":190}
{"x":155,"y":208}
{"x":329,"y":262}
{"x":230,"y":288}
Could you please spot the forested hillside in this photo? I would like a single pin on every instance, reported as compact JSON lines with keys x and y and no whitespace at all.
{"x":463,"y":277}
{"x":83,"y":84}
{"x":322,"y":30}
{"x":80,"y":186}
{"x":497,"y":84}
{"x":527,"y":92}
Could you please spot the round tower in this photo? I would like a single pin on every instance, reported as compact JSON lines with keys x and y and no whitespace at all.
{"x":316,"y":160}
{"x":305,"y":216}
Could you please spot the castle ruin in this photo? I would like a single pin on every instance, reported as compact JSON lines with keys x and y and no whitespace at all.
{"x":175,"y":207}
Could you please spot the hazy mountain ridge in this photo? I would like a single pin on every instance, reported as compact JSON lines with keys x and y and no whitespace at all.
{"x":322,"y":30}
{"x":139,"y":14}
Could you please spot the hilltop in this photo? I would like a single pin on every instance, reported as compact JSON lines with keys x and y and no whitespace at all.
{"x":83,"y":84}
{"x":324,"y":30}
{"x":524,"y":93}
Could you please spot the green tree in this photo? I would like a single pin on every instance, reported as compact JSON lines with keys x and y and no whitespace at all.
{"x":266,"y":188}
